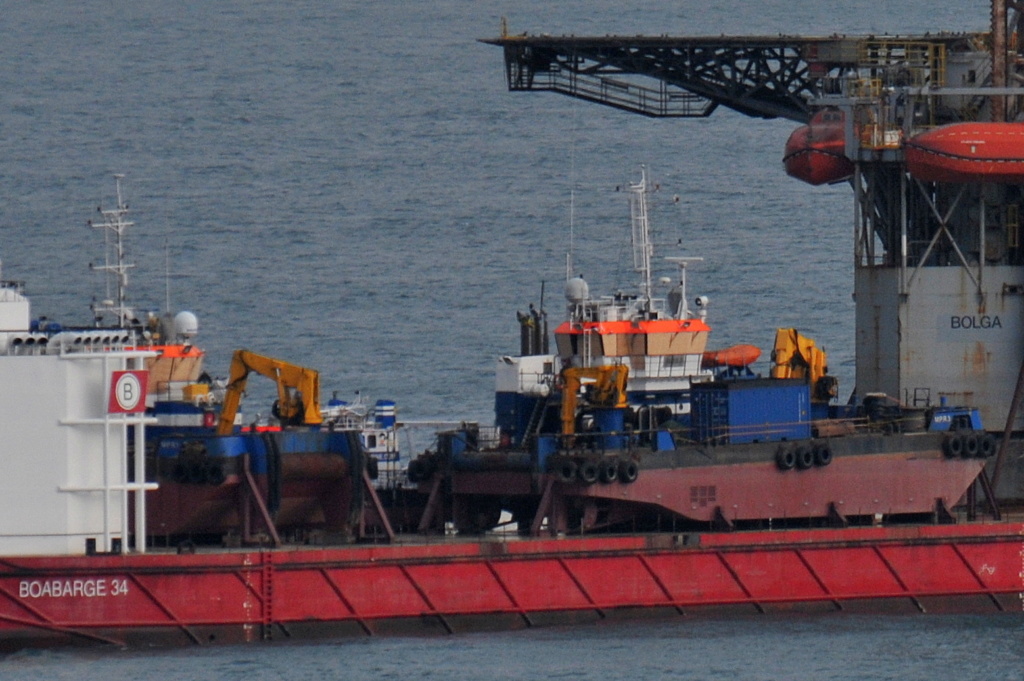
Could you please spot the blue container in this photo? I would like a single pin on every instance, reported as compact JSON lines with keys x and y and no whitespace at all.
{"x":752,"y":410}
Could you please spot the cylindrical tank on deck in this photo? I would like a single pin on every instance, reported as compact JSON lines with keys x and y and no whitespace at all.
{"x":611,"y":424}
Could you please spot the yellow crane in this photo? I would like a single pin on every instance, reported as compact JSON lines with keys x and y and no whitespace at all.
{"x":608,"y":390}
{"x":797,"y":356}
{"x":298,"y":390}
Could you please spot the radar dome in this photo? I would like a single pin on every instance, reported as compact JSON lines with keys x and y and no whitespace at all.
{"x":576,"y":290}
{"x":186,"y":325}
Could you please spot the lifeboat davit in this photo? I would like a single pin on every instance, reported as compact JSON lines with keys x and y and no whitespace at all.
{"x":736,"y":356}
{"x":816,"y":152}
{"x":968,"y":152}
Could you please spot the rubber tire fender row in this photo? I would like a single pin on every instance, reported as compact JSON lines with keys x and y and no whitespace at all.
{"x":564,"y":469}
{"x":785,"y":458}
{"x":629,"y":471}
{"x":971,"y":444}
{"x":608,"y":470}
{"x":588,"y":472}
{"x":822,"y":454}
{"x":988,"y":446}
{"x":804,"y":457}
{"x":953,"y":445}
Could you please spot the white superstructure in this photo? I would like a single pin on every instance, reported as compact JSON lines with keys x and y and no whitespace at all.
{"x":64,"y":470}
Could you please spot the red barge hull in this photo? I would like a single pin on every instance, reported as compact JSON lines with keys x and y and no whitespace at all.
{"x":453,"y":586}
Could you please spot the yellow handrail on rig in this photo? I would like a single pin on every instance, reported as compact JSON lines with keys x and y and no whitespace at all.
{"x":608,"y":390}
{"x":298,"y":390}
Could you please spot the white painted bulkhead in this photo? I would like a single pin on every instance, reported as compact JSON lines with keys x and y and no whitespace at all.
{"x":941,"y":338}
{"x":63,"y":470}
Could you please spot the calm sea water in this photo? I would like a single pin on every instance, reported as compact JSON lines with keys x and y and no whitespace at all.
{"x":349,"y":186}
{"x":834,"y":648}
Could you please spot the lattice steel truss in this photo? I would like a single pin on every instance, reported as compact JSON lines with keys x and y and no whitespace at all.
{"x":766,"y":77}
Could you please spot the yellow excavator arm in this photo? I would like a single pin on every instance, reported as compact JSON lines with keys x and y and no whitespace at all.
{"x":298,"y":390}
{"x":609,"y":390}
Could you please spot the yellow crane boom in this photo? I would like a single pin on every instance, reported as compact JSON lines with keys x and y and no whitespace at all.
{"x":797,"y":356}
{"x":298,"y":390}
{"x":608,"y":390}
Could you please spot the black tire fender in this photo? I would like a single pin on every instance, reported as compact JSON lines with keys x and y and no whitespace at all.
{"x":953,"y":445}
{"x":987,"y":446}
{"x":215,"y":473}
{"x":822,"y":454}
{"x":588,"y":472}
{"x":971,"y":444}
{"x":608,"y":470}
{"x":629,"y":471}
{"x":785,"y":458}
{"x":804,"y":457}
{"x":566,"y":471}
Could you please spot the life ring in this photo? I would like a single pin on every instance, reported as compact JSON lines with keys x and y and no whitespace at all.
{"x":804,"y":457}
{"x":608,"y":470}
{"x":971,"y":445}
{"x":588,"y":472}
{"x":785,"y":458}
{"x":822,"y":454}
{"x":629,"y":471}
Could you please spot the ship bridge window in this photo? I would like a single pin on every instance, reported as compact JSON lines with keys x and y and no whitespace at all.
{"x":371,"y":441}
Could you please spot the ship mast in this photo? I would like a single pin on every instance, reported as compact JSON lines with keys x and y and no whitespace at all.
{"x":115,"y":224}
{"x":642,"y":247}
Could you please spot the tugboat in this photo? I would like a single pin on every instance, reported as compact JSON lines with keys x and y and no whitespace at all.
{"x":625,"y":427}
{"x":578,"y":448}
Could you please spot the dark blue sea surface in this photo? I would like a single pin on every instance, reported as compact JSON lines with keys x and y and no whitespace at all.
{"x":836,"y":648}
{"x":350,"y":186}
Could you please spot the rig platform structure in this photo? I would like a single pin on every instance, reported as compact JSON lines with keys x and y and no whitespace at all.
{"x":939,"y":264}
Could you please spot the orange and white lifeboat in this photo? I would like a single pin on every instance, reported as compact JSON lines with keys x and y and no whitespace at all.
{"x":968,"y":152}
{"x":816,"y":153}
{"x":735,"y":356}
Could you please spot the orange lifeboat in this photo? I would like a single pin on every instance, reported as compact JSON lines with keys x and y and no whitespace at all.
{"x":736,"y":356}
{"x":968,"y":152}
{"x":816,"y":153}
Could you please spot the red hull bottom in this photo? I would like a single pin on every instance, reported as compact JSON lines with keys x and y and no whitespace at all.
{"x":452,"y":586}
